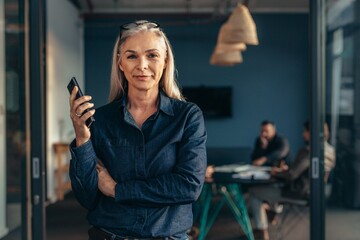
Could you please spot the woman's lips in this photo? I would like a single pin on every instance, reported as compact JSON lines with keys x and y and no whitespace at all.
{"x":142,"y":77}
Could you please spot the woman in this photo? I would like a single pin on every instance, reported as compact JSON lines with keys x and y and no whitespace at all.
{"x":142,"y":164}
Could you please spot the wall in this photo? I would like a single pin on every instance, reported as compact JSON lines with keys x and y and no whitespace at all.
{"x":64,"y":59}
{"x":272,"y":83}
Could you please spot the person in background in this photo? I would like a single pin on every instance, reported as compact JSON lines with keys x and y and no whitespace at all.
{"x":142,"y":164}
{"x":270,"y":149}
{"x":329,"y":154}
{"x":265,"y":198}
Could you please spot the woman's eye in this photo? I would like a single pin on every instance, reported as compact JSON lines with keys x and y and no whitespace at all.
{"x":153,"y":55}
{"x":131,"y":56}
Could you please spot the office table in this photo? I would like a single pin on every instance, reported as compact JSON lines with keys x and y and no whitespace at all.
{"x":229,"y":188}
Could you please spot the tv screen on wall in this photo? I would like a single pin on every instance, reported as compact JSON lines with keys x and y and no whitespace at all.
{"x":215,"y":102}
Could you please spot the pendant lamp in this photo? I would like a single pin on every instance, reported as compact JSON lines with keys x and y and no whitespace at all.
{"x":229,"y":58}
{"x":234,"y":34}
{"x":240,"y":27}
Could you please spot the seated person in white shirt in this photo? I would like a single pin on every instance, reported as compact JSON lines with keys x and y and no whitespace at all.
{"x":297,"y":184}
{"x":298,"y":179}
{"x":329,"y":154}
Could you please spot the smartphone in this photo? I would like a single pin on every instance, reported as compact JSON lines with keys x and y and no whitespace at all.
{"x":70,"y":87}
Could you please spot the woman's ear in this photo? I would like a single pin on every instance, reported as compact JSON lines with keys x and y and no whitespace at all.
{"x":121,"y":68}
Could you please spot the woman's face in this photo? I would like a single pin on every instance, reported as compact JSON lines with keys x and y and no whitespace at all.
{"x":143,"y":60}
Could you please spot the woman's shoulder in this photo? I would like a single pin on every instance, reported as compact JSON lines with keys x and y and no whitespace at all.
{"x":183,"y":105}
{"x":108,"y":109}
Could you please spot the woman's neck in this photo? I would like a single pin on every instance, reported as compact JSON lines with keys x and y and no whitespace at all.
{"x":142,"y":105}
{"x":142,"y":100}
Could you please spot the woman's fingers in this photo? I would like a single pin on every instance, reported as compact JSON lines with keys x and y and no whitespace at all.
{"x":81,"y":104}
{"x":78,"y":106}
{"x":73,"y":95}
{"x":106,"y":183}
{"x":87,"y":115}
{"x":79,"y":111}
{"x":79,"y":115}
{"x":79,"y":120}
{"x":100,"y":167}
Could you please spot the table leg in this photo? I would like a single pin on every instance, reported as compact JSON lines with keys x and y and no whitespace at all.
{"x":234,"y":198}
{"x":208,"y":217}
{"x":206,"y":202}
{"x":214,"y":214}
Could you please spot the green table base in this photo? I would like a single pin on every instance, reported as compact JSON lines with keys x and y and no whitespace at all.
{"x":232,"y":195}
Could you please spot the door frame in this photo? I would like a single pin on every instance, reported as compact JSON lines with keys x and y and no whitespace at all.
{"x":317,"y":78}
{"x":37,"y":117}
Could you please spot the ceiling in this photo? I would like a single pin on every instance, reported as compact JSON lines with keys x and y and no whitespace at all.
{"x":187,"y":6}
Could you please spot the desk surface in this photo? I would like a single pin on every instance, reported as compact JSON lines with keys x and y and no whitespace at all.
{"x":240,"y":173}
{"x":221,"y":177}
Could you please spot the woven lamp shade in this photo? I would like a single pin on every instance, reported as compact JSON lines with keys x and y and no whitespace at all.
{"x":224,"y":46}
{"x":227,"y":54}
{"x":240,"y":27}
{"x":239,"y":30}
{"x":229,"y":47}
{"x":226,"y":58}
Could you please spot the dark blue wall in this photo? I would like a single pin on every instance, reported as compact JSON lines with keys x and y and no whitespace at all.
{"x":271,"y":83}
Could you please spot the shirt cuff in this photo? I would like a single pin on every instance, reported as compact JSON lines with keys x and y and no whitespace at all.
{"x":84,"y":153}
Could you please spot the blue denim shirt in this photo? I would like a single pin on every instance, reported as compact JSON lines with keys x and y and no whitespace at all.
{"x":159,"y":169}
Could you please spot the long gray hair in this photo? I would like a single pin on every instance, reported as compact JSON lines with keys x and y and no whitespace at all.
{"x":167,"y":82}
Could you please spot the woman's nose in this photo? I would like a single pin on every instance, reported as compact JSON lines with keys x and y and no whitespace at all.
{"x":143,"y":63}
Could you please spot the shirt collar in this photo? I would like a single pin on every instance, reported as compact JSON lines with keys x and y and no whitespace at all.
{"x":164,"y":104}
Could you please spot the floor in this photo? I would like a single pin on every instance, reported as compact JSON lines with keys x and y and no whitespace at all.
{"x":343,"y":224}
{"x":13,"y":215}
{"x":67,"y":220}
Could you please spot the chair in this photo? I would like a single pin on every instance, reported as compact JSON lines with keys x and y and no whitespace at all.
{"x":294,"y":212}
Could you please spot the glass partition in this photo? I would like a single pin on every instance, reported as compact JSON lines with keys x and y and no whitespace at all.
{"x":3,"y":225}
{"x":342,"y":190}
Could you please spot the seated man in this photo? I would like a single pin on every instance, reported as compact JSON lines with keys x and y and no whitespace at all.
{"x":297,"y":176}
{"x":270,"y":148}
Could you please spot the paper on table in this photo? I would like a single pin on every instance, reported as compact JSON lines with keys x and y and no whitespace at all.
{"x":253,"y":174}
{"x":233,"y":168}
{"x":261,"y":168}
{"x":240,"y":168}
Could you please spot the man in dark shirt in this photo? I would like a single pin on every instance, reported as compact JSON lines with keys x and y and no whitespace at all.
{"x":296,"y":178}
{"x":270,"y":148}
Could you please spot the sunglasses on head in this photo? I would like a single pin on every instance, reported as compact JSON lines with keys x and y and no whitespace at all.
{"x":132,"y":25}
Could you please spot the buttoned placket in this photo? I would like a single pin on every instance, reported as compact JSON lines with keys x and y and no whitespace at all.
{"x":139,"y":164}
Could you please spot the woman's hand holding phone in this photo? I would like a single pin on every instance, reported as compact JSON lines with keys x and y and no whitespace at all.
{"x":79,"y":113}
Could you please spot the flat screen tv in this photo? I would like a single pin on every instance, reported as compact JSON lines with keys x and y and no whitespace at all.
{"x":215,"y":102}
